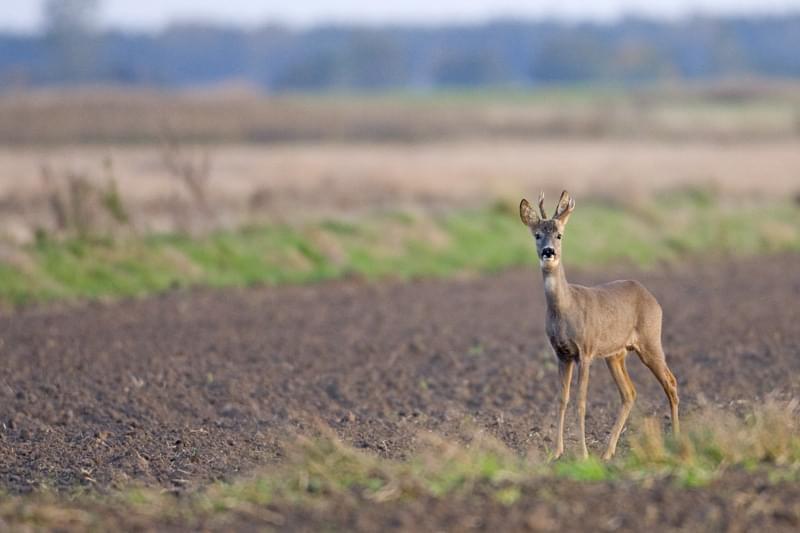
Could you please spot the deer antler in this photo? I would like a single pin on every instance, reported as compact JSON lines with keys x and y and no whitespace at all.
{"x":541,"y":206}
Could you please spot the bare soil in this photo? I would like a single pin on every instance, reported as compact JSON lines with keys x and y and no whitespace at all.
{"x":180,"y":390}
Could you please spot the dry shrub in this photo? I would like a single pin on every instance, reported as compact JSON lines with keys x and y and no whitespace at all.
{"x":79,"y":207}
{"x":192,"y":169}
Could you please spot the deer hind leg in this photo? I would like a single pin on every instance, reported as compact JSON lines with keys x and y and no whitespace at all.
{"x":627,"y":394}
{"x":565,"y":375}
{"x":652,"y":355}
{"x":583,"y":392}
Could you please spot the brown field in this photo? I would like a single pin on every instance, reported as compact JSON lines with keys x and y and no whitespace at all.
{"x":234,"y":115}
{"x":179,"y":391}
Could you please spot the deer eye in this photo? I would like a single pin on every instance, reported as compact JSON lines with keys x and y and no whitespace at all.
{"x":558,"y":236}
{"x":538,"y":236}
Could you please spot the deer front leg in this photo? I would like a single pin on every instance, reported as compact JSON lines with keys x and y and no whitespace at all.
{"x":565,"y":375}
{"x":583,"y":391}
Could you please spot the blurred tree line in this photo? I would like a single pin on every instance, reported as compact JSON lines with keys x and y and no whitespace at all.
{"x":72,"y":49}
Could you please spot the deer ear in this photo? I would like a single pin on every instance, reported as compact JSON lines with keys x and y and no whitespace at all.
{"x":565,"y":207}
{"x":526,"y":213}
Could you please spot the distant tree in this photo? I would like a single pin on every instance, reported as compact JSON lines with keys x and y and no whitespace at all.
{"x":322,"y":70}
{"x":70,"y":16}
{"x":70,"y":31}
{"x":72,"y":49}
{"x":374,"y":61}
{"x":573,"y":56}
{"x":468,"y":69}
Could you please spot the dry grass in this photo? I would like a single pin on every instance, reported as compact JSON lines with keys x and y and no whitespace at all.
{"x":250,"y":184}
{"x":714,"y":440}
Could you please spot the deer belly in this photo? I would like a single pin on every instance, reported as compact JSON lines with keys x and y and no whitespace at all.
{"x":565,"y":349}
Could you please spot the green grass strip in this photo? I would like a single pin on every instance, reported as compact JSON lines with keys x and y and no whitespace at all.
{"x":394,"y":245}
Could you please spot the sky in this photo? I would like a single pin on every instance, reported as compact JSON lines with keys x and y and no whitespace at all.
{"x":24,"y":15}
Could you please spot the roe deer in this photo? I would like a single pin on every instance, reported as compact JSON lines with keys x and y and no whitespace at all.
{"x":606,"y":321}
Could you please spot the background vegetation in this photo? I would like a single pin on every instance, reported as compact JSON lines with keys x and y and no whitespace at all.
{"x":500,"y":52}
{"x":681,"y":224}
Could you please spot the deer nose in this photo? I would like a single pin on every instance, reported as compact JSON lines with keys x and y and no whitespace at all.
{"x":548,"y":252}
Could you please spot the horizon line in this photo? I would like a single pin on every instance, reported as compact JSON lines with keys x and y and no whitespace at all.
{"x":398,"y":22}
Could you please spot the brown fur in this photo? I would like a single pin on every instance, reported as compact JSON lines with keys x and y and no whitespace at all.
{"x":606,"y":321}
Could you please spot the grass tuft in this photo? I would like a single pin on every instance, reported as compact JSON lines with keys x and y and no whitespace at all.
{"x":714,"y":440}
{"x":591,"y":469}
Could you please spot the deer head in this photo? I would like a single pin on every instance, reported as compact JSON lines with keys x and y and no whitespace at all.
{"x":547,"y":232}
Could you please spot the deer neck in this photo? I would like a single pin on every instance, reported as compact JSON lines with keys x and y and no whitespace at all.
{"x":556,"y":288}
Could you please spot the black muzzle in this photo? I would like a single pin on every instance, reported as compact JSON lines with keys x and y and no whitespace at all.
{"x":548,"y":253}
